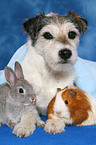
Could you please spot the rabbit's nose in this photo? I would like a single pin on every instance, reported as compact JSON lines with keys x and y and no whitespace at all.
{"x":33,"y":100}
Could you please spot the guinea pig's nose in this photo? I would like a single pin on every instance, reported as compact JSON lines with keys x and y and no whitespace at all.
{"x":58,"y":113}
{"x":65,"y":53}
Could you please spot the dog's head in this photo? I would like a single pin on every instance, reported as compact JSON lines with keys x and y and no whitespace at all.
{"x":56,"y":37}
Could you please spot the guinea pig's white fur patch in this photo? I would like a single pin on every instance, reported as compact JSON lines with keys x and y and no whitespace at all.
{"x":60,"y":106}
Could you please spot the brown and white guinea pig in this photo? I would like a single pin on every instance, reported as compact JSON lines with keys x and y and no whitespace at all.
{"x":73,"y":106}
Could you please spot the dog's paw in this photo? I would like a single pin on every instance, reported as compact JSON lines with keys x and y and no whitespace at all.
{"x":54,"y":126}
{"x":21,"y":130}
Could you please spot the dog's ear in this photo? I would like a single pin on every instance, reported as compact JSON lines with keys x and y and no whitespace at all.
{"x":79,"y":21}
{"x":32,"y":25}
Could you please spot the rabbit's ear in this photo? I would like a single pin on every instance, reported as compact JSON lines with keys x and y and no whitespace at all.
{"x":10,"y":76}
{"x":18,"y":71}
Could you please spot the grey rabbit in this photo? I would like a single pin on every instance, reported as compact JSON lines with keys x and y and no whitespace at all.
{"x":17,"y":103}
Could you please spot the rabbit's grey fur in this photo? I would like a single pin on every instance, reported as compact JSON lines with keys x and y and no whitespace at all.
{"x":17,"y":103}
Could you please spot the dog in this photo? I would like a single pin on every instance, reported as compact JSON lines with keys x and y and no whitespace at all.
{"x":52,"y":53}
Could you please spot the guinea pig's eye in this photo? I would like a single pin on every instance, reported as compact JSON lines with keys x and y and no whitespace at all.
{"x":21,"y":90}
{"x":66,"y":102}
{"x":47,"y":35}
{"x":71,"y":35}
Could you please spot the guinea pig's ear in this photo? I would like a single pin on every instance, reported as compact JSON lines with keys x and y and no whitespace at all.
{"x":66,"y":87}
{"x":72,"y":93}
{"x":58,"y":89}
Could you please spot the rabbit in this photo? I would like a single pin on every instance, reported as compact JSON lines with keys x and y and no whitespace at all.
{"x":17,"y":103}
{"x":70,"y":106}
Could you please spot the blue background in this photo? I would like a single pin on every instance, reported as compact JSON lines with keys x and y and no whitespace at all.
{"x":13,"y":14}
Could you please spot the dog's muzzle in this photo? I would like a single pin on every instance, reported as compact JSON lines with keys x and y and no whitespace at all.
{"x":65,"y":54}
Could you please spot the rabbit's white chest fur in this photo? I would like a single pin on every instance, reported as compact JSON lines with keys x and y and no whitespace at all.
{"x":44,"y":82}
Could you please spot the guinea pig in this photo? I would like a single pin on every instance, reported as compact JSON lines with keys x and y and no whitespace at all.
{"x":70,"y":106}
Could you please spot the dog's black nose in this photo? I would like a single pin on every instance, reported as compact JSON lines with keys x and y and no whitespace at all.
{"x":65,"y":53}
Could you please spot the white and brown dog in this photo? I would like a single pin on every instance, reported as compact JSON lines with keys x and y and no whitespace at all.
{"x":52,"y":53}
{"x":49,"y":61}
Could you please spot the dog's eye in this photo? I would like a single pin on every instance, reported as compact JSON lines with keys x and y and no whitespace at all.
{"x":72,"y":35}
{"x":66,"y":102}
{"x":47,"y":35}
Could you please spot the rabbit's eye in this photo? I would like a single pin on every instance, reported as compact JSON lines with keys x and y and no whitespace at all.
{"x":21,"y":90}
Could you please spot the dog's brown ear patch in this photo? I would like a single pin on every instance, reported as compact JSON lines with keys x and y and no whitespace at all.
{"x":33,"y":25}
{"x":79,"y":21}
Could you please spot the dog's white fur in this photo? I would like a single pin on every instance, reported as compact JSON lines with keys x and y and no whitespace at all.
{"x":42,"y":67}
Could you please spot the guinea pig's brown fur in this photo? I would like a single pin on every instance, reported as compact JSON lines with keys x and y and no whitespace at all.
{"x":77,"y":103}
